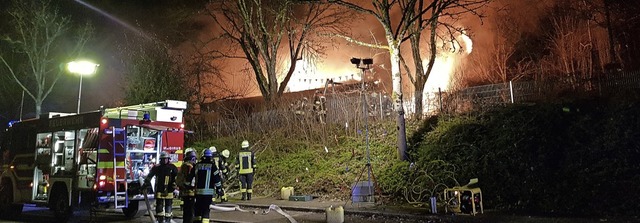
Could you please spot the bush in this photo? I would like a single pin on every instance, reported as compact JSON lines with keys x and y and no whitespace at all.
{"x":545,"y":159}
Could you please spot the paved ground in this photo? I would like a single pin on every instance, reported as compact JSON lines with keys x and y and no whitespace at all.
{"x":314,"y":212}
{"x":369,"y":212}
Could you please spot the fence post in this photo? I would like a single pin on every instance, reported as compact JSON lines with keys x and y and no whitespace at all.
{"x":511,"y":90}
{"x":440,"y":98}
{"x":380,"y":107}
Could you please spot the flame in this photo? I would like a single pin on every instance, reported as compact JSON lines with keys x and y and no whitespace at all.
{"x":446,"y":63}
{"x":440,"y":74}
{"x":468,"y":43}
{"x":309,"y":76}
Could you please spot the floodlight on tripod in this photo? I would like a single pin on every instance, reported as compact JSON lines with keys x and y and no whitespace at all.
{"x":364,"y":64}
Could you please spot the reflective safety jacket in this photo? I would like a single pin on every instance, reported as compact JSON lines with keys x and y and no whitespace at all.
{"x":246,"y":162}
{"x":208,"y":180}
{"x":165,"y":179}
{"x":220,"y":164}
{"x":185,"y":180}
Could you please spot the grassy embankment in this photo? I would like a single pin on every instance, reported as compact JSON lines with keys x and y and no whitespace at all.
{"x":573,"y":158}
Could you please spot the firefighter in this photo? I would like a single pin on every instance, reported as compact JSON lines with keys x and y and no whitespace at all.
{"x":222,"y":168}
{"x":208,"y":184}
{"x":165,"y":174}
{"x":319,"y":106}
{"x":246,"y":163}
{"x":185,"y":181}
{"x":224,"y":157}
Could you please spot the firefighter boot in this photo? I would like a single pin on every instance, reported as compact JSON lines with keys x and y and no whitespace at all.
{"x":249,"y":196}
{"x":160,"y":219}
{"x":244,"y":196}
{"x":224,"y":198}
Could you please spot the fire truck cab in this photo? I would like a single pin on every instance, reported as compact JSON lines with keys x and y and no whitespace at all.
{"x":95,"y":159}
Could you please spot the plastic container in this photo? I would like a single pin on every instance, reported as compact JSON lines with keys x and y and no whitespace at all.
{"x":335,"y":215}
{"x":362,"y":192}
{"x":286,"y":192}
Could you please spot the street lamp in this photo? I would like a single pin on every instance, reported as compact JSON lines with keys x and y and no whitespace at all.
{"x":364,"y":64}
{"x":82,"y":68}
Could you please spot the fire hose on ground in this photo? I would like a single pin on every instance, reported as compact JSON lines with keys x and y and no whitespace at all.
{"x":235,"y":207}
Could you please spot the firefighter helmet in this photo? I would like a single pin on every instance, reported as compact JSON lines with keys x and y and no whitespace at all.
{"x":245,"y":144}
{"x":213,"y":149}
{"x":225,"y":153}
{"x":207,"y":153}
{"x":164,"y":155}
{"x":189,"y":153}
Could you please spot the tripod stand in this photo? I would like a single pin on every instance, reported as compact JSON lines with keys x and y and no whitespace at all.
{"x":370,"y":185}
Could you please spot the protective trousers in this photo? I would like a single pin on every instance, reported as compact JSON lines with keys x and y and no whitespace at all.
{"x":202,"y":210}
{"x":188,"y":204}
{"x":246,"y":182}
{"x":223,"y":198}
{"x":164,"y":209}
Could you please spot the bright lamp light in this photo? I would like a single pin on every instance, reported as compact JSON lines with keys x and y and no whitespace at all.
{"x":82,"y":67}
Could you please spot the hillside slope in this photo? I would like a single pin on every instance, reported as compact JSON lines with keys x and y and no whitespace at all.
{"x":576,"y":158}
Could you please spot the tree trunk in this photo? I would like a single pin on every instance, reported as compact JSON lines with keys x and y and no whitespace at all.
{"x":38,"y":108}
{"x":396,"y":78}
{"x":417,"y":101}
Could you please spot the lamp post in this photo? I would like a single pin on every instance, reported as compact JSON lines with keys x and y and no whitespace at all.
{"x":364,"y":64}
{"x":81,"y":68}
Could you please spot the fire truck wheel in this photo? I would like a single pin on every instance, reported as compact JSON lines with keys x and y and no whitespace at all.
{"x":7,"y":209}
{"x":60,"y":205}
{"x":132,"y":210}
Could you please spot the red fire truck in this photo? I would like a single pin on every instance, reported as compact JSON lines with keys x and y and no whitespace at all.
{"x":95,"y":159}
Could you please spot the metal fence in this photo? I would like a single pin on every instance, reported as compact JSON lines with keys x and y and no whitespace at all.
{"x":550,"y":89}
{"x":347,"y":108}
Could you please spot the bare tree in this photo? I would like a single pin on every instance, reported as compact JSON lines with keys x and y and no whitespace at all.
{"x":274,"y":35}
{"x":397,"y":30}
{"x":10,"y":92}
{"x":497,"y":64}
{"x":44,"y":39}
{"x":441,"y":24}
{"x":569,"y":44}
{"x":203,"y":71}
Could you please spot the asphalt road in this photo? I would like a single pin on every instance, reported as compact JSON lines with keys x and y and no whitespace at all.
{"x":43,"y":215}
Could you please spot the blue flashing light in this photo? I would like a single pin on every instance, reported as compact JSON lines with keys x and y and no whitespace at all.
{"x":12,"y":122}
{"x":146,"y":117}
